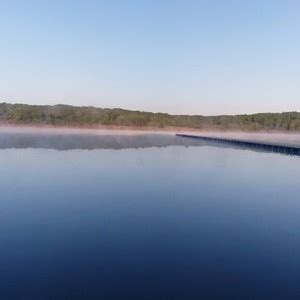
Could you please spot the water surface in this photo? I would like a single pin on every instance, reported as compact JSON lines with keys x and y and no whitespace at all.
{"x":146,"y":217}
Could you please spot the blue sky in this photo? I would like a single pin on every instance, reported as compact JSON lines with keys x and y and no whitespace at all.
{"x":196,"y":57}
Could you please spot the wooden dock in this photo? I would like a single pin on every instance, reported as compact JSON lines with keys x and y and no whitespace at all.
{"x":249,"y":144}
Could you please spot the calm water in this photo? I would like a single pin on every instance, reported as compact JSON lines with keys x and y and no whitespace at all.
{"x":146,"y":217}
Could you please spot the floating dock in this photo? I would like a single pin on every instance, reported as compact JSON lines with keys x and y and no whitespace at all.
{"x":249,"y":144}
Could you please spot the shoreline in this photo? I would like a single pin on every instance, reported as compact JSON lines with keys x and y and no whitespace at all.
{"x":102,"y":129}
{"x":133,"y":129}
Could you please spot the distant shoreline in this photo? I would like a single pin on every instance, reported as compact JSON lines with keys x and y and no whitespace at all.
{"x":92,"y":128}
{"x":66,"y":116}
{"x":127,"y":130}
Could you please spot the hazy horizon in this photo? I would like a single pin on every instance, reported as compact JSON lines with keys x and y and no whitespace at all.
{"x":178,"y":57}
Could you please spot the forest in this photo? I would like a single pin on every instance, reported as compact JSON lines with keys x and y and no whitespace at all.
{"x":66,"y":115}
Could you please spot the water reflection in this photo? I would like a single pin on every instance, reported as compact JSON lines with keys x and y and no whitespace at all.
{"x":73,"y":141}
{"x":91,"y":142}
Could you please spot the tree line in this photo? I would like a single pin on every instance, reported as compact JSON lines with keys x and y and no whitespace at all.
{"x":65,"y":115}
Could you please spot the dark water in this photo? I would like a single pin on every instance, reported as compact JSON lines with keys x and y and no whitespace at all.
{"x":151,"y":220}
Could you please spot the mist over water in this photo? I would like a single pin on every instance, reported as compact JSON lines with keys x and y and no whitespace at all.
{"x":161,"y":218}
{"x":71,"y":141}
{"x":281,"y":138}
{"x":90,"y":139}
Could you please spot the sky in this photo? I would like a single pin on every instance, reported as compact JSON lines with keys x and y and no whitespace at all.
{"x":182,"y":57}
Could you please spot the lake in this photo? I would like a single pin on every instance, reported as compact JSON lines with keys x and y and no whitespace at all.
{"x":146,"y":216}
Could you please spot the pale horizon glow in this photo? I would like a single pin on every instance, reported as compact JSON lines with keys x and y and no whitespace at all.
{"x":178,"y":57}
